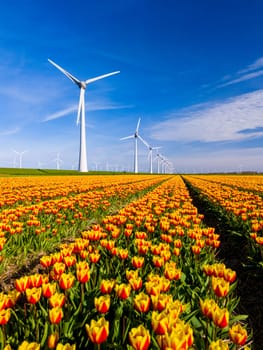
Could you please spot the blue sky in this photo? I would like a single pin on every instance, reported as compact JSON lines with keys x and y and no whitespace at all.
{"x":191,"y":70}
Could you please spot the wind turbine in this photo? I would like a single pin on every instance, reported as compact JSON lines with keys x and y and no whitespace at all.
{"x":20,"y":154}
{"x":82,"y":84}
{"x":159,"y":158}
{"x":135,"y":136}
{"x":58,"y":161}
{"x":150,"y":154}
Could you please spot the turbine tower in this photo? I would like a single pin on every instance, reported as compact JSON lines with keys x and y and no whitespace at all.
{"x":135,"y":136}
{"x":20,"y":154}
{"x":82,"y":84}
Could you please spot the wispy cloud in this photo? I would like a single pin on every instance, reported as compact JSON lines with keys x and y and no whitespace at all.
{"x":242,"y":78}
{"x":60,"y":114}
{"x":253,"y":66}
{"x":250,"y":72}
{"x":215,"y":122}
{"x":91,"y":106}
{"x":9,"y":132}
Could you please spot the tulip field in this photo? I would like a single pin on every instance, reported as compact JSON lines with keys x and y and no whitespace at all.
{"x":122,"y":262}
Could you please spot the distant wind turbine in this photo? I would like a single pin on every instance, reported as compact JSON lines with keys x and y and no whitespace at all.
{"x":58,"y":161}
{"x":150,"y":154}
{"x":136,"y":136}
{"x":20,"y":154}
{"x":83,"y":167}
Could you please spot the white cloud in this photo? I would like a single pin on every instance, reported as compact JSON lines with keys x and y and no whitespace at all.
{"x":242,"y":78}
{"x":244,"y":74}
{"x":9,"y":132}
{"x":61,"y":113}
{"x":91,"y":106}
{"x":214,"y":122}
{"x":255,"y":65}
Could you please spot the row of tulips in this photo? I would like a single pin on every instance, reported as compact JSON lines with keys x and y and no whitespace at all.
{"x":22,"y":223}
{"x":144,"y":278}
{"x":246,"y":205}
{"x":253,"y":183}
{"x":34,"y":189}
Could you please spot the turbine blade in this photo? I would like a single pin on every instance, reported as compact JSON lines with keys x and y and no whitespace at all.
{"x":138,"y":124}
{"x":101,"y":77}
{"x":70,"y":76}
{"x":144,"y":142}
{"x":80,"y":104}
{"x":127,"y":137}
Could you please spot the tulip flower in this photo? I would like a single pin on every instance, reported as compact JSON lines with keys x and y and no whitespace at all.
{"x":59,"y":268}
{"x":5,"y":315}
{"x":102,"y":304}
{"x":48,"y":289}
{"x":173,"y":340}
{"x":46,"y":261}
{"x":107,"y":286}
{"x":238,"y":334}
{"x":94,"y":257}
{"x":128,"y":232}
{"x":166,"y":255}
{"x":83,"y":275}
{"x":8,"y":347}
{"x":29,"y":346}
{"x":98,"y":331}
{"x":52,"y":340}
{"x":66,"y":281}
{"x":220,"y":286}
{"x":131,"y":274}
{"x":55,"y":315}
{"x":35,"y":280}
{"x":137,"y":261}
{"x":136,"y":283}
{"x":208,"y":306}
{"x":220,"y":317}
{"x":142,"y":302}
{"x":176,"y":251}
{"x":123,"y":290}
{"x":208,"y":270}
{"x":11,"y":298}
{"x":153,"y":288}
{"x":172,"y":273}
{"x":165,"y":284}
{"x":160,"y":301}
{"x":22,"y":283}
{"x":158,"y":261}
{"x":66,"y":346}
{"x":218,"y":345}
{"x":57,"y":300}
{"x":70,"y":260}
{"x":123,"y":253}
{"x":160,"y":322}
{"x":196,"y":249}
{"x":33,"y":295}
{"x":230,"y":275}
{"x":177,"y":243}
{"x":140,"y":338}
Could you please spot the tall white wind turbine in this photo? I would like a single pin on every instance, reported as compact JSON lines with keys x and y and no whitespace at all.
{"x":82,"y":84}
{"x":135,"y":136}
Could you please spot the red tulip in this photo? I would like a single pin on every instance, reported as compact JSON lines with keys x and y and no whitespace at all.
{"x":55,"y":315}
{"x":98,"y":331}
